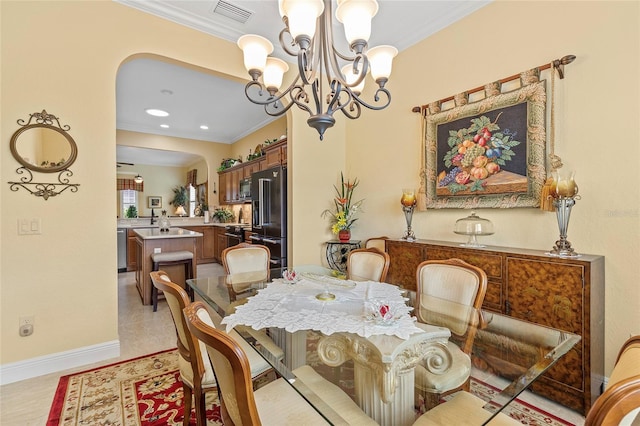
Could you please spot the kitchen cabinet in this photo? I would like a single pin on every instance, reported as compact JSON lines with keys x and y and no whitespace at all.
{"x":229,"y":179}
{"x":206,"y":245}
{"x":566,"y":294}
{"x":275,"y":154}
{"x":131,"y":250}
{"x":221,"y":243}
{"x":224,"y":189}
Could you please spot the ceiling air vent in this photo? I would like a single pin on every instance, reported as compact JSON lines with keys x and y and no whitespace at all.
{"x":232,"y":11}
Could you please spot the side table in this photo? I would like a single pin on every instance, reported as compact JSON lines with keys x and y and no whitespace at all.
{"x":337,"y":252}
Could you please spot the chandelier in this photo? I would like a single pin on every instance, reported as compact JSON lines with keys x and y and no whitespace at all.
{"x":308,"y":35}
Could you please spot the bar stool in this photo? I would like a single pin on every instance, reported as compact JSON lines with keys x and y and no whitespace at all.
{"x":171,"y":258}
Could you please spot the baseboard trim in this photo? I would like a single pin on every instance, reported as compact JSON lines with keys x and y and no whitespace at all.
{"x":38,"y":366}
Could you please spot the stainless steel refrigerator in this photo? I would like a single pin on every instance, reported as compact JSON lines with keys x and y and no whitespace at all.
{"x":269,"y":213}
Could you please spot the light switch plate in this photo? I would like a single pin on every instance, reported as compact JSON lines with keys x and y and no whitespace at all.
{"x":31,"y":226}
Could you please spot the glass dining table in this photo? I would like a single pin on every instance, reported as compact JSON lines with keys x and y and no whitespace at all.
{"x":362,"y":337}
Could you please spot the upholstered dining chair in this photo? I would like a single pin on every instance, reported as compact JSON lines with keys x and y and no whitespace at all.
{"x":619,"y":404}
{"x":197,"y":381}
{"x":245,"y":257}
{"x":241,"y":258}
{"x":370,"y":264}
{"x":376,"y":242}
{"x":462,"y":284}
{"x":276,"y":403}
{"x":464,"y":409}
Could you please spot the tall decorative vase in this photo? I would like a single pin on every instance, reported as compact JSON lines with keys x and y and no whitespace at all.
{"x":408,"y":202}
{"x":344,"y":235}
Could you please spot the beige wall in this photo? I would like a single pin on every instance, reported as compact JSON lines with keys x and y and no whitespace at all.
{"x":73,"y":290}
{"x":597,"y":135}
{"x":271,"y":131}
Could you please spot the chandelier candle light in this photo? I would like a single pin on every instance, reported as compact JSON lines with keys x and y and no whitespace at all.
{"x":408,"y":202}
{"x":308,"y":35}
{"x":564,"y":190}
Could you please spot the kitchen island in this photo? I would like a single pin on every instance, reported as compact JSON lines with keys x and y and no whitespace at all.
{"x":151,"y":240}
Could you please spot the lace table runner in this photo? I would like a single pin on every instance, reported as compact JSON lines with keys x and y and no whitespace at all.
{"x":294,"y":307}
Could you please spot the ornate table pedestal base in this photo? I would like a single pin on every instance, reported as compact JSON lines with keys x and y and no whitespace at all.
{"x":384,"y":369}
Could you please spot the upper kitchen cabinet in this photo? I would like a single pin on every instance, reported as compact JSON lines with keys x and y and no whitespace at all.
{"x":229,"y":179}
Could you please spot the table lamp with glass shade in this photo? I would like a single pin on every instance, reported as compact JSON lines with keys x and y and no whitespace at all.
{"x":473,"y":225}
{"x":180,"y":211}
{"x":408,"y":202}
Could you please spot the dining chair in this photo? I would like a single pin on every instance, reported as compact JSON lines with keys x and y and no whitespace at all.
{"x":245,"y":257}
{"x":464,"y":409}
{"x":367,"y":264}
{"x":376,"y":242}
{"x":276,"y":403}
{"x":241,"y":258}
{"x":619,"y":404}
{"x":456,"y":281}
{"x":197,"y":381}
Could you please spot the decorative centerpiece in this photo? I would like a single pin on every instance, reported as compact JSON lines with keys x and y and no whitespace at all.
{"x":564,"y":191}
{"x":345,"y":214}
{"x":163,"y":222}
{"x":473,"y":226}
{"x":381,"y":312}
{"x":408,"y":201}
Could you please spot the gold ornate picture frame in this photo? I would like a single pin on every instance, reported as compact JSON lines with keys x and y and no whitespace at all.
{"x":489,"y":153}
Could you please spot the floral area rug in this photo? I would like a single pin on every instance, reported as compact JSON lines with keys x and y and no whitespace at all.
{"x":144,"y":391}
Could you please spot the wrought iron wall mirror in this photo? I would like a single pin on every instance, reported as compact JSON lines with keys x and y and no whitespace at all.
{"x":43,"y":145}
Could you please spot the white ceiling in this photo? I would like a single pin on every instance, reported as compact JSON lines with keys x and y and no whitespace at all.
{"x":194,"y":98}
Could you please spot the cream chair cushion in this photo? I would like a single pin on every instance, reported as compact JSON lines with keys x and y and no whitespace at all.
{"x":628,"y":365}
{"x":333,"y":396}
{"x":464,"y":409}
{"x":455,"y":376}
{"x":280,"y":405}
{"x":366,"y":265}
{"x":378,"y":242}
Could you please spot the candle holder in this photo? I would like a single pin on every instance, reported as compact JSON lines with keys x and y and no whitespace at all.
{"x":408,"y":202}
{"x":565,"y":194}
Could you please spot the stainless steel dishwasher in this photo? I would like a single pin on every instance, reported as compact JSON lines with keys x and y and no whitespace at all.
{"x":122,"y":250}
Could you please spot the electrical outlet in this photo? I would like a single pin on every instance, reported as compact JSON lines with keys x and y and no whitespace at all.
{"x":157,"y":250}
{"x":26,"y":324}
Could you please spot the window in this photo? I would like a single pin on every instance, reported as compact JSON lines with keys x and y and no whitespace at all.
{"x":192,"y":201}
{"x":128,"y":197}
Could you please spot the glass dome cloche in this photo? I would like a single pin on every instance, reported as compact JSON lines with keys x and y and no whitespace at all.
{"x":473,"y":225}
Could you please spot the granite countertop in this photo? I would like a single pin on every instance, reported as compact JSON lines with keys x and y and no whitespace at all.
{"x":154,"y":233}
{"x":145,"y":223}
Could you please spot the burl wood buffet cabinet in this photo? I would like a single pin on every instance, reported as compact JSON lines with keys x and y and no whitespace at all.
{"x":566,"y":294}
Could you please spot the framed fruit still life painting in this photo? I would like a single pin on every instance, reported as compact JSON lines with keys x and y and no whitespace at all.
{"x":489,"y":153}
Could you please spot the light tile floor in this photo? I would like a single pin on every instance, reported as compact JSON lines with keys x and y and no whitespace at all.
{"x":142,"y":331}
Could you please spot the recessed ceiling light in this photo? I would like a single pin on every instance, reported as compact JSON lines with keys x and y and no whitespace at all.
{"x":157,"y":112}
{"x":203,"y":127}
{"x":164,"y":126}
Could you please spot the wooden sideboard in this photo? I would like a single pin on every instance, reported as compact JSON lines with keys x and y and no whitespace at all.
{"x":566,"y":294}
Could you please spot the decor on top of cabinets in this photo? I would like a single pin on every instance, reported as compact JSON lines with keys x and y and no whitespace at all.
{"x":43,"y":145}
{"x":408,"y":201}
{"x":486,"y":147}
{"x":318,"y":60}
{"x":345,"y":214}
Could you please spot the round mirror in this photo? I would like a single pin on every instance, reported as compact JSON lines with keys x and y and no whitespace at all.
{"x":43,"y":148}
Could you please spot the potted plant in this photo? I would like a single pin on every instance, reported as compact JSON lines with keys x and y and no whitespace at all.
{"x":180,"y":197}
{"x":223,"y":215}
{"x":132,"y":212}
{"x":344,"y":216}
